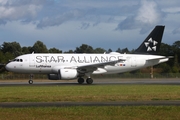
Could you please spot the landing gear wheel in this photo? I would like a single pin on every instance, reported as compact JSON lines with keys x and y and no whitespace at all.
{"x":81,"y":80}
{"x":89,"y":80}
{"x":30,"y":81}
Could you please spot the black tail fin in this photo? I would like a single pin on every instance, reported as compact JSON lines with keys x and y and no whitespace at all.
{"x":152,"y":43}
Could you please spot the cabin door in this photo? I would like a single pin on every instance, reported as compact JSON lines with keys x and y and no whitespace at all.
{"x":31,"y":61}
{"x":133,"y":62}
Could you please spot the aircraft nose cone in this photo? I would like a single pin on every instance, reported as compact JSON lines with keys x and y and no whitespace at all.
{"x":8,"y":67}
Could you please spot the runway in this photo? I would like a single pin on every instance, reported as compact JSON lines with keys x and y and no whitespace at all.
{"x":147,"y":81}
{"x":70,"y":104}
{"x":96,"y":82}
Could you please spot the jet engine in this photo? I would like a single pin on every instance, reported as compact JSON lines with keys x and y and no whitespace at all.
{"x":64,"y":74}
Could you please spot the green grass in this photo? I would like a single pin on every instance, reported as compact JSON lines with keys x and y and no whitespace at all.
{"x":93,"y":93}
{"x":95,"y":113}
{"x":96,"y":93}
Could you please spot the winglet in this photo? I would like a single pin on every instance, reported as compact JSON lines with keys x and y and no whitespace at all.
{"x":151,"y":44}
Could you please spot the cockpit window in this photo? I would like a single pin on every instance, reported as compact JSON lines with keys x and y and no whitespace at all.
{"x":18,"y":60}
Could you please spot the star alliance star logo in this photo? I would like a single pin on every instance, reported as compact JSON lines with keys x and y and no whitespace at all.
{"x":151,"y":44}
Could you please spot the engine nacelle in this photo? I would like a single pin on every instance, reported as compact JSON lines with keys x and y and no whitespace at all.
{"x":64,"y":74}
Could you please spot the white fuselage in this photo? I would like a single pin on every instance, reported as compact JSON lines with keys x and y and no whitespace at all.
{"x":49,"y":63}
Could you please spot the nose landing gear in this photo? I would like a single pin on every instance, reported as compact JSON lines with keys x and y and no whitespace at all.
{"x":31,"y":79}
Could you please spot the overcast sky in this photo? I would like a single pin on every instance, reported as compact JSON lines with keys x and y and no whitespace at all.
{"x":67,"y":24}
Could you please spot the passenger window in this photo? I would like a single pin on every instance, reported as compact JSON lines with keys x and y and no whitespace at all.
{"x":21,"y":60}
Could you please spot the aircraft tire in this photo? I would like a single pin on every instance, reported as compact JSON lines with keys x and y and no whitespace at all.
{"x":89,"y":80}
{"x":30,"y":81}
{"x":80,"y":80}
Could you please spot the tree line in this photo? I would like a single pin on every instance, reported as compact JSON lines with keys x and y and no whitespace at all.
{"x":10,"y":50}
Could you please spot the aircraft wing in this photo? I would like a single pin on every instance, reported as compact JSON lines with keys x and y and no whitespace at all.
{"x":95,"y":66}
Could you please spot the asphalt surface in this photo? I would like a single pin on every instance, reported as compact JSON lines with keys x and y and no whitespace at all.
{"x":68,"y":104}
{"x":96,"y":82}
{"x":147,"y":81}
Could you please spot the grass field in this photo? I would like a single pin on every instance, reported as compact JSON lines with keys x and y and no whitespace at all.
{"x":96,"y":93}
{"x":93,"y":93}
{"x":92,"y":113}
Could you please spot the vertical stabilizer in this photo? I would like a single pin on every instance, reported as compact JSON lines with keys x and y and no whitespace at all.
{"x":151,"y":44}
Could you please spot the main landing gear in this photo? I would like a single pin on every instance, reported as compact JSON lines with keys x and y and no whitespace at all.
{"x":88,"y":80}
{"x":31,"y":79}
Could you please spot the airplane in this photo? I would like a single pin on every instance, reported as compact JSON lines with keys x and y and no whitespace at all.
{"x":76,"y":66}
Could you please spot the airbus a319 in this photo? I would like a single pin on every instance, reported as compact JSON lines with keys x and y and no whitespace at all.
{"x":78,"y":66}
